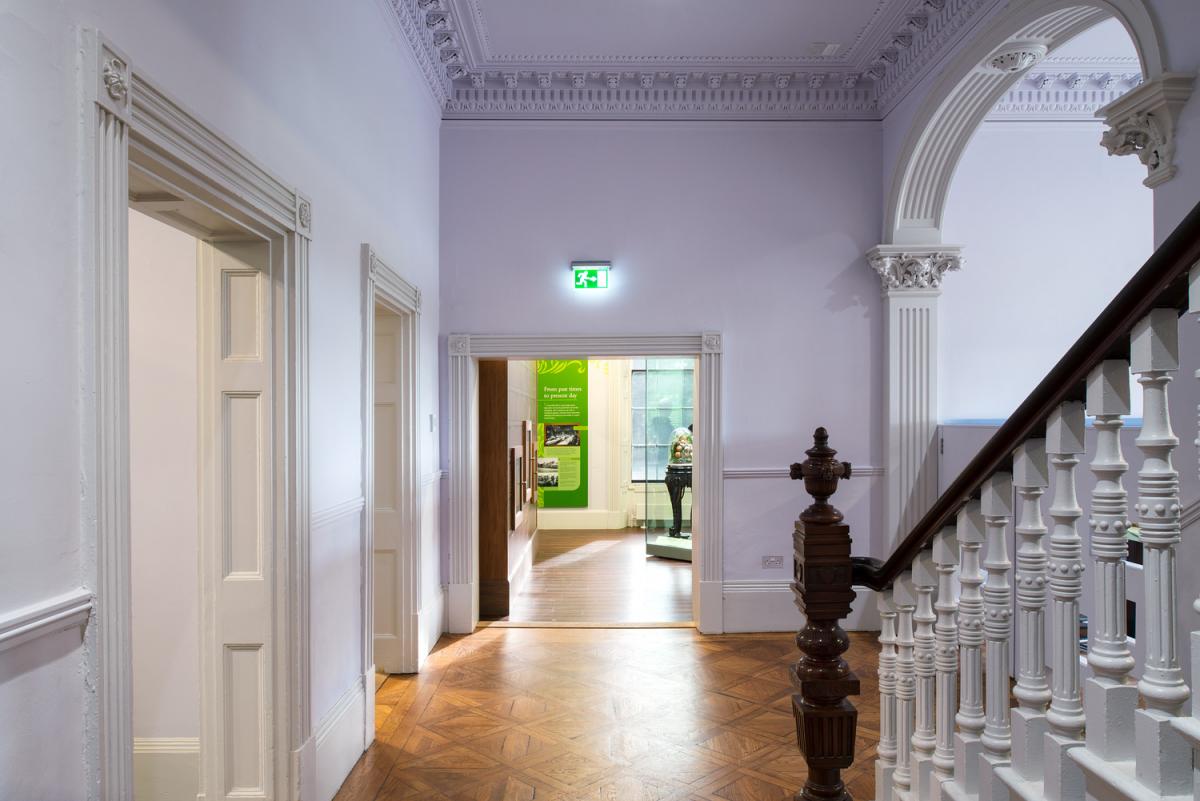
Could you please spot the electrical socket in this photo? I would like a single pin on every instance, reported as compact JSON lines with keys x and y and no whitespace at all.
{"x":770,"y":562}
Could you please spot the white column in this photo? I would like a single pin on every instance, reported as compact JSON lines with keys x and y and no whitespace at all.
{"x":708,"y":512}
{"x":885,"y":765}
{"x":1030,"y":478}
{"x":967,"y":744}
{"x":912,"y":278}
{"x":1064,"y":443}
{"x":904,"y":595}
{"x":1109,"y":701}
{"x":945,"y":632}
{"x":925,"y":580}
{"x":996,"y":505}
{"x":1163,"y":757}
{"x":463,"y":590}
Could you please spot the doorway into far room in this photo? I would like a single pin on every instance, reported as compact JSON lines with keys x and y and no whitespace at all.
{"x":585,"y":493}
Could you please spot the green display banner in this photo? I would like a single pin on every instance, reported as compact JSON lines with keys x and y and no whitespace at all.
{"x":562,"y":435}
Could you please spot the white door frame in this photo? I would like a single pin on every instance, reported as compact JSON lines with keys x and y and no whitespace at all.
{"x":465,"y":351}
{"x":383,"y":286}
{"x":130,"y":124}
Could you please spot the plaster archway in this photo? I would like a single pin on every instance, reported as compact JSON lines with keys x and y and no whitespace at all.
{"x":973,"y":82}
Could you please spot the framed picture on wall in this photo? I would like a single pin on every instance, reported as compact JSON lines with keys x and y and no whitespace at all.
{"x":514,"y":482}
{"x":529,"y":475}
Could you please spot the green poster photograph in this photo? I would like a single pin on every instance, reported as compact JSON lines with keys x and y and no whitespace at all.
{"x":562,"y":433}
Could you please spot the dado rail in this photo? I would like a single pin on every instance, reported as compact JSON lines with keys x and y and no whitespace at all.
{"x":951,"y":623}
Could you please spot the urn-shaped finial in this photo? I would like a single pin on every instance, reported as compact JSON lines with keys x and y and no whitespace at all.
{"x":821,"y":473}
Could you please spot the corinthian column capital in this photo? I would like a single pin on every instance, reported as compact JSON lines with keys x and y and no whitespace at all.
{"x":902,"y":267}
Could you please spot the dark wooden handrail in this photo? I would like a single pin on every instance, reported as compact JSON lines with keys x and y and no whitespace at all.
{"x":1160,"y":283}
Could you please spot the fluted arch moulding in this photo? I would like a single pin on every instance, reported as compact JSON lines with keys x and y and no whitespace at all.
{"x":1005,"y":51}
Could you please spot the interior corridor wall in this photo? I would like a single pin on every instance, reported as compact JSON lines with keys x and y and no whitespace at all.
{"x":326,"y":96}
{"x":756,"y":230}
{"x":163,"y":466}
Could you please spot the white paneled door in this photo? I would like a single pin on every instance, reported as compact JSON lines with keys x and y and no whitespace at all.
{"x":390,"y":497}
{"x":237,"y":525}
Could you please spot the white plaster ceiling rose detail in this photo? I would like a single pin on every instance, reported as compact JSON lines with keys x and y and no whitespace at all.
{"x":1016,"y":57}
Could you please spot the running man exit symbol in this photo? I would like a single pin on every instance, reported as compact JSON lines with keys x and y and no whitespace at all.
{"x":591,"y":275}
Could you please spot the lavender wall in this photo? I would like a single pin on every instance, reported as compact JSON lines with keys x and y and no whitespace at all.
{"x":1052,"y":228}
{"x":754,"y":230}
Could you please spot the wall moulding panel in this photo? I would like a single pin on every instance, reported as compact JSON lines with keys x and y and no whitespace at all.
{"x":464,"y":351}
{"x":137,"y":128}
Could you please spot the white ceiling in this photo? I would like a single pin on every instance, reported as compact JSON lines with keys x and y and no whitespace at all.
{"x":645,"y":34}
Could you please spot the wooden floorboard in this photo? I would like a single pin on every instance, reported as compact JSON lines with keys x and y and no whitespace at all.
{"x":519,"y":714}
{"x":602,"y":577}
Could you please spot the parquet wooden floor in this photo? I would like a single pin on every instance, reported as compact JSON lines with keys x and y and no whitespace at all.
{"x":602,"y":577}
{"x":601,"y":715}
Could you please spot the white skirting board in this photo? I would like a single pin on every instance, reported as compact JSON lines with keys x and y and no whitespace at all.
{"x":339,"y":741}
{"x":166,"y":768}
{"x":757,"y":605}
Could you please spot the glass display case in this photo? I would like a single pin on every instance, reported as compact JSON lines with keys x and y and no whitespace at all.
{"x":663,"y":408}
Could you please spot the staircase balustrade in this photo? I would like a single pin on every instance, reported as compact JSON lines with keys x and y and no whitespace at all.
{"x":959,"y":624}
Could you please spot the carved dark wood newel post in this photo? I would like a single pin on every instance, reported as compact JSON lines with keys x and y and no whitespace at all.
{"x":825,"y":720}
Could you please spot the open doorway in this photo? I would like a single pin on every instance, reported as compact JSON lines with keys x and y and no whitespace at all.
{"x":201,"y":423}
{"x":164,"y":509}
{"x":586,"y":491}
{"x":396,"y":635}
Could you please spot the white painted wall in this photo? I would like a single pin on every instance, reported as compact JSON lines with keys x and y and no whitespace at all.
{"x":323,"y":95}
{"x":731,"y":227}
{"x":1052,"y":228}
{"x":163,"y":463}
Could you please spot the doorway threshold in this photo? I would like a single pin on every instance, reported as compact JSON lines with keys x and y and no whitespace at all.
{"x":570,"y":624}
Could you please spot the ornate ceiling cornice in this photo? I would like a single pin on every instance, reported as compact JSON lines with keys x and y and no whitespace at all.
{"x":864,"y":79}
{"x":1068,"y":89}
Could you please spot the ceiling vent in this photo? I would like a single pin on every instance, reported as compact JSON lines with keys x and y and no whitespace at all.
{"x":824,"y":49}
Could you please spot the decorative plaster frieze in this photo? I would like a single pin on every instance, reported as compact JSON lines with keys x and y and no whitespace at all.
{"x":1068,"y":90}
{"x":418,"y":25}
{"x":682,"y":100}
{"x":902,"y":268}
{"x":946,"y":22}
{"x":1142,"y":123}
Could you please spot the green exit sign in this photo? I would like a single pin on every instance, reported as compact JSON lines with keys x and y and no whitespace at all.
{"x":591,"y":275}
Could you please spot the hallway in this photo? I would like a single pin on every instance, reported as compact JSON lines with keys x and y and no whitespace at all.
{"x":628,"y":715}
{"x":602,"y":577}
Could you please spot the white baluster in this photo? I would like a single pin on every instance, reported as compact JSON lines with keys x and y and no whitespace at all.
{"x":996,"y":505}
{"x":1189,"y":726}
{"x":1162,"y":753}
{"x":1064,"y":443}
{"x":967,"y":744}
{"x":924,"y":734}
{"x":885,"y":765}
{"x":945,"y":632}
{"x":1033,"y":690}
{"x":904,"y":595}
{"x":1109,"y":701}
